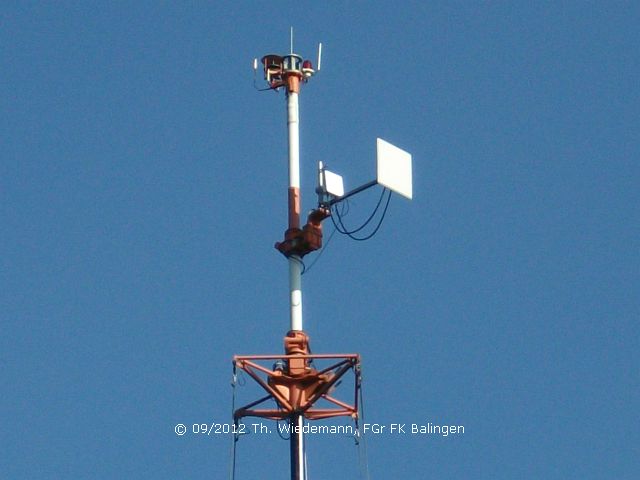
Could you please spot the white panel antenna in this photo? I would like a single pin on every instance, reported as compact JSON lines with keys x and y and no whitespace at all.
{"x":330,"y":185}
{"x":333,"y":184}
{"x":394,"y":168}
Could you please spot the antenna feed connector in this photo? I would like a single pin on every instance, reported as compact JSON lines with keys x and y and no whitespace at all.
{"x":300,"y":242}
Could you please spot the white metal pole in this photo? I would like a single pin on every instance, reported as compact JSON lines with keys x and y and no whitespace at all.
{"x":298,"y":471}
{"x":295,"y":281}
{"x":295,"y":262}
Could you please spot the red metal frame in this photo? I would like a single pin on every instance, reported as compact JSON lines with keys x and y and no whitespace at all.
{"x":297,"y":387}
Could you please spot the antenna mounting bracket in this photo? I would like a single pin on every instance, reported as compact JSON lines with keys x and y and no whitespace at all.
{"x":308,"y":239}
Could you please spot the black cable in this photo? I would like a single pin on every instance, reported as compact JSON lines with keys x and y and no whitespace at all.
{"x":375,"y":210}
{"x":299,"y":260}
{"x":242,"y":380}
{"x":234,"y":439}
{"x":278,"y":422}
{"x":361,"y":239}
{"x":341,"y":223}
{"x":364,"y":469}
{"x":346,"y":207}
{"x":340,"y":226}
{"x":344,"y":230}
{"x":280,"y":432}
{"x":321,"y":252}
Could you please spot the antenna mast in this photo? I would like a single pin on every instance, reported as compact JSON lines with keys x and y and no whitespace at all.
{"x":292,"y":78}
{"x":293,"y":381}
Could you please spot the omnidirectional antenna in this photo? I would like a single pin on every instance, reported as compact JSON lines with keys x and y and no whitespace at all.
{"x":319,"y":56}
{"x":291,"y":35}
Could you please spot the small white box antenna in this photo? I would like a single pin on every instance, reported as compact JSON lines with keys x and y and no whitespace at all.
{"x":330,"y":185}
{"x":333,"y":184}
{"x":394,"y":168}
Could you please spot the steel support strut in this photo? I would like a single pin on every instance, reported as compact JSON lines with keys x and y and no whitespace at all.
{"x":296,"y":387}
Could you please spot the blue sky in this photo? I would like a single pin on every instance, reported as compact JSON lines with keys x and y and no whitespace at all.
{"x":143,"y":185}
